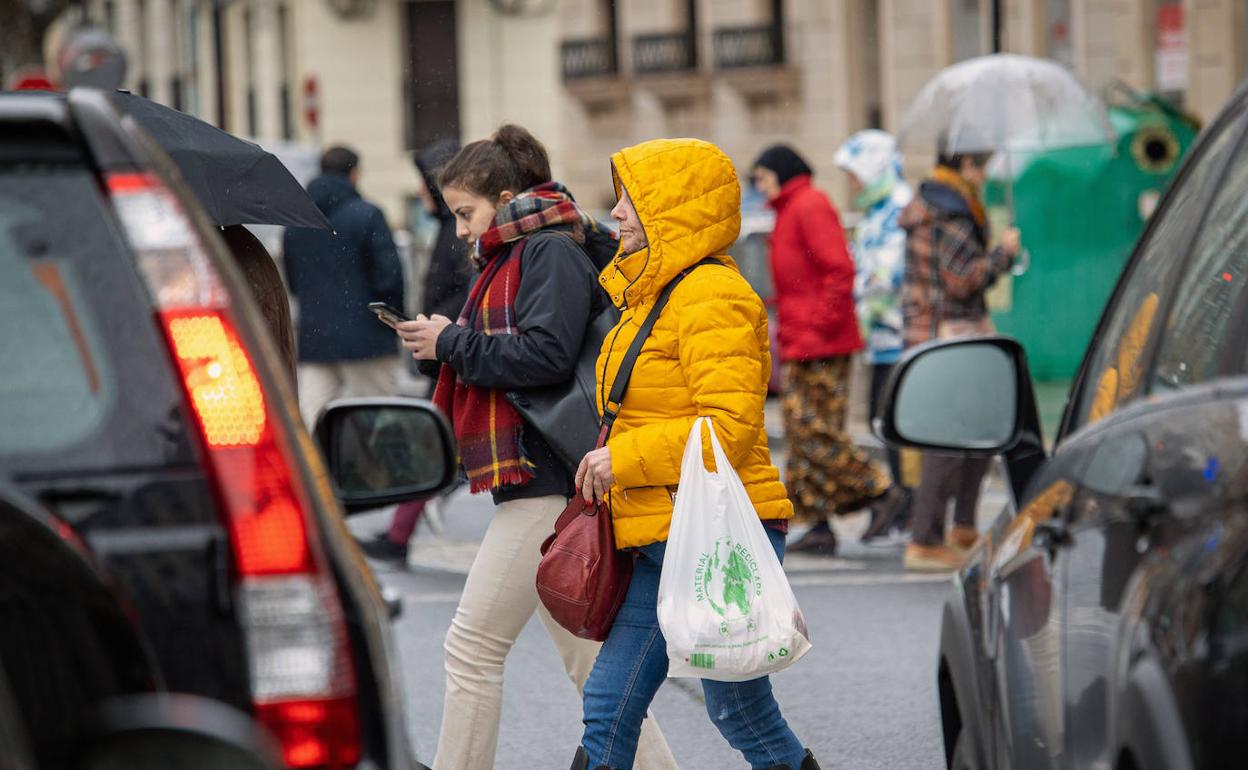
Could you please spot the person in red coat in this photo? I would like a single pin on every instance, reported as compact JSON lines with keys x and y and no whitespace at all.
{"x":813,"y":274}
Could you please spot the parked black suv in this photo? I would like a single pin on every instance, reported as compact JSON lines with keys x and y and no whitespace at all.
{"x":1102,"y":622}
{"x":148,"y":422}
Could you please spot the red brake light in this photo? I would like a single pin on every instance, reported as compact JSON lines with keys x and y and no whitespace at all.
{"x":302,"y":676}
{"x":266,"y":516}
{"x":223,"y":386}
{"x":314,"y":733}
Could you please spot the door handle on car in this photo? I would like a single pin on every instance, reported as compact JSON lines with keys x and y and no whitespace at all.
{"x":1052,"y":534}
{"x":1144,"y":502}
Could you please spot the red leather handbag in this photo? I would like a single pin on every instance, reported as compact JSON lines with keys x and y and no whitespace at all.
{"x":582,"y":579}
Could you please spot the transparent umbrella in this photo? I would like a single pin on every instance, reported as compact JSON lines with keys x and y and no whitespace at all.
{"x":1004,"y":103}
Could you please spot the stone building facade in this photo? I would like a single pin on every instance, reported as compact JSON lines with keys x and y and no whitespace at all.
{"x":302,"y":74}
{"x":590,"y":76}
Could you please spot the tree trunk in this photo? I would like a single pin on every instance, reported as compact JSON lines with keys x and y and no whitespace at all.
{"x":23,"y":24}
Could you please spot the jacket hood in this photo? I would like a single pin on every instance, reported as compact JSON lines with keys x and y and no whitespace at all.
{"x":429,"y":162}
{"x":871,"y":156}
{"x":688,"y":198}
{"x":329,"y":190}
{"x":934,"y":199}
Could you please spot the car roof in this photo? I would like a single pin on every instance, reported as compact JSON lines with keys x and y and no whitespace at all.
{"x":40,"y":106}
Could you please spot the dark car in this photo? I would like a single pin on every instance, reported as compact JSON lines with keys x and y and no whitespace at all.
{"x":148,"y":422}
{"x":1102,"y":622}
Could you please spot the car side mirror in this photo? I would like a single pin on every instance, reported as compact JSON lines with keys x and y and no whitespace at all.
{"x":180,"y":731}
{"x":970,"y":396}
{"x":382,"y":451}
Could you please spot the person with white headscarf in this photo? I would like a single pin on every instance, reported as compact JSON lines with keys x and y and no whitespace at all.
{"x":880,"y":192}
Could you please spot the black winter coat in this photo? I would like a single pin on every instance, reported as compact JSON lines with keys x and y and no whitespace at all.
{"x":335,"y":275}
{"x":558,"y":295}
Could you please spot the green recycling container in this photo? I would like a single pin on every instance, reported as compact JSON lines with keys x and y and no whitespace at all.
{"x":1080,"y":211}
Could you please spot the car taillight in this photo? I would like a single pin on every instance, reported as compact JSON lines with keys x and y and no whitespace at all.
{"x":302,"y":679}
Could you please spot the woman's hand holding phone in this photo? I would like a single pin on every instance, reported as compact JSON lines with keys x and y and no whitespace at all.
{"x":420,"y":335}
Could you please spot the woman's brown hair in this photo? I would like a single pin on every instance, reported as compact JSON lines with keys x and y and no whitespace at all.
{"x":512,"y":159}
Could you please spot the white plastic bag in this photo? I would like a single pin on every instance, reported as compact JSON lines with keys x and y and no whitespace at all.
{"x":725,"y":605}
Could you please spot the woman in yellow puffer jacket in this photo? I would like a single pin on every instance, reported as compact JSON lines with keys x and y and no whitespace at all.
{"x":707,"y":356}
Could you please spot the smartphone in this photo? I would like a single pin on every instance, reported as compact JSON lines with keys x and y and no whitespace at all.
{"x":388,"y":315}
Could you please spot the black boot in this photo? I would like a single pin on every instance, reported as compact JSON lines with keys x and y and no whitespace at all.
{"x":581,"y":761}
{"x":886,"y":511}
{"x":808,"y":763}
{"x":382,"y":548}
{"x":819,"y":540}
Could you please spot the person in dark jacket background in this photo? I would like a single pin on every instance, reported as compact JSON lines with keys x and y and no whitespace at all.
{"x":343,"y":349}
{"x":446,"y":282}
{"x":814,"y":281}
{"x":450,"y":271}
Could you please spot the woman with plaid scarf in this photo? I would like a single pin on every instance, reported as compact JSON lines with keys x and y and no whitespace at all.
{"x":949,"y":269}
{"x":522,"y":327}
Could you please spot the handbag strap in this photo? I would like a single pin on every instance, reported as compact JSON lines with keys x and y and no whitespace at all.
{"x":611,"y":409}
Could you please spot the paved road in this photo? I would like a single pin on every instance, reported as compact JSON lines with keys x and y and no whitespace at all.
{"x":864,"y":697}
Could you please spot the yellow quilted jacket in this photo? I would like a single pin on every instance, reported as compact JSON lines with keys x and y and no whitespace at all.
{"x":708,"y":354}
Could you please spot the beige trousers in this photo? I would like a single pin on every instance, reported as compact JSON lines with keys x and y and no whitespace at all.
{"x":320,"y":383}
{"x":498,"y":600}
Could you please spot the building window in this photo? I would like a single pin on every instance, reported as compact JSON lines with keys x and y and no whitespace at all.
{"x":144,"y":85}
{"x":432,"y":82}
{"x":177,"y":97}
{"x":283,"y":51}
{"x":752,"y":45}
{"x":597,"y":54}
{"x":249,"y":53}
{"x":193,"y":73}
{"x":675,"y":51}
{"x":220,"y":77}
{"x":970,"y":25}
{"x":870,"y":53}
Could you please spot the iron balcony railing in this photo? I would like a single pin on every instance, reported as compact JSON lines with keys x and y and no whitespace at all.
{"x":590,"y":57}
{"x":758,"y":46}
{"x":666,"y":52}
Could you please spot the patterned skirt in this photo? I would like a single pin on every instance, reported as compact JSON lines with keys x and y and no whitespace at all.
{"x":826,"y":473}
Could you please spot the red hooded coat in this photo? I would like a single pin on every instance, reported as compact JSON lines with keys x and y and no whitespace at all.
{"x":813,"y":276}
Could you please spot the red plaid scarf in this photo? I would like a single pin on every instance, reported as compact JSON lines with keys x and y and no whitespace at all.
{"x":487,"y":426}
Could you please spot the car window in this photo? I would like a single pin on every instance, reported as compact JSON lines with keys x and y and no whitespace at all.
{"x":1199,"y":334}
{"x":57,"y":385}
{"x":85,"y":379}
{"x":1114,"y":369}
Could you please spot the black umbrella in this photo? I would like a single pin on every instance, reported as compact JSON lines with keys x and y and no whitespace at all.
{"x":238,"y":183}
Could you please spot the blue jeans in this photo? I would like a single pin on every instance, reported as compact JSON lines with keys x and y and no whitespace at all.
{"x":633,"y":663}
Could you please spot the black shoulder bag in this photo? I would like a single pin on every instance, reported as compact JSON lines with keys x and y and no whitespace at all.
{"x":566,"y":414}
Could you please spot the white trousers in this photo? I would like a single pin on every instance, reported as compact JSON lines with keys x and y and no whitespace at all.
{"x":498,"y":600}
{"x":320,"y":383}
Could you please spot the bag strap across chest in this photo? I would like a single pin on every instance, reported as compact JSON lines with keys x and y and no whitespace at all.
{"x":611,"y":409}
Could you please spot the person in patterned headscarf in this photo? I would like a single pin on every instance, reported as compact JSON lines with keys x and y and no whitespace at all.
{"x":880,"y":192}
